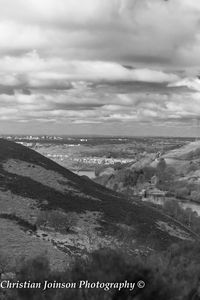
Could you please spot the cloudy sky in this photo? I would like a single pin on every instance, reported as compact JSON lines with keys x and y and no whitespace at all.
{"x":100,"y":67}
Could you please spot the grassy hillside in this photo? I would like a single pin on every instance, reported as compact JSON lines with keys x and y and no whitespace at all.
{"x":53,"y":210}
{"x":177,"y":171}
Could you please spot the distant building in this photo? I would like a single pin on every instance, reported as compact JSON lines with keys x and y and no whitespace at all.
{"x":156,"y":193}
{"x":153,"y":195}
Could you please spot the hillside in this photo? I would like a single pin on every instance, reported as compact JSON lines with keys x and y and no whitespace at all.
{"x":46,"y":208}
{"x":184,"y":164}
{"x":176,"y":172}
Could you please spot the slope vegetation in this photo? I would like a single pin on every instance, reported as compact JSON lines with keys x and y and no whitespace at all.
{"x":46,"y":208}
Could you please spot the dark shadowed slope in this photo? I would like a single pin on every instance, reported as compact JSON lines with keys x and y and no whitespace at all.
{"x":31,"y":183}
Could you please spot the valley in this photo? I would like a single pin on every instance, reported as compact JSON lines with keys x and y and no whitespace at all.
{"x":58,"y":223}
{"x":53,"y":210}
{"x":103,"y":157}
{"x":86,"y":153}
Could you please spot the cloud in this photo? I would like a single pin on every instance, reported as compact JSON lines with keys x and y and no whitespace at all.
{"x":138,"y":32}
{"x":30,"y":70}
{"x":92,"y":105}
{"x":192,"y":83}
{"x":64,"y":62}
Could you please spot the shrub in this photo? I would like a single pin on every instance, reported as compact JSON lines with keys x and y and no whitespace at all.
{"x":195,"y":196}
{"x":131,"y":178}
{"x":182,"y":192}
{"x":55,"y":219}
{"x":172,"y":275}
{"x":4,"y":263}
{"x":149,"y":172}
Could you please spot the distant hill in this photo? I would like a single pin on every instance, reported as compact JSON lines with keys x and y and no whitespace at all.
{"x":180,"y":176}
{"x":46,"y":208}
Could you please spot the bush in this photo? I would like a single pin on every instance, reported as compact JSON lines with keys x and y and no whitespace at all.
{"x":55,"y":219}
{"x":172,"y":275}
{"x":105,"y":266}
{"x":131,"y":177}
{"x":195,"y":196}
{"x":149,"y":172}
{"x":182,"y":192}
{"x":4,"y":263}
{"x":186,"y":216}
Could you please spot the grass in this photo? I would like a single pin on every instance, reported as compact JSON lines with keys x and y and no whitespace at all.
{"x":25,"y":225}
{"x":16,"y":243}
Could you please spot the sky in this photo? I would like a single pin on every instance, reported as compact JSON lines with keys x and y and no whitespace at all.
{"x":106,"y":67}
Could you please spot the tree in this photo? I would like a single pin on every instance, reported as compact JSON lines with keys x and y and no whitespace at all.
{"x":131,"y":178}
{"x":166,"y":175}
{"x":161,"y":166}
{"x":160,"y":171}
